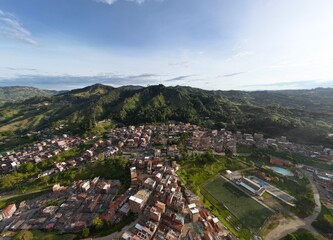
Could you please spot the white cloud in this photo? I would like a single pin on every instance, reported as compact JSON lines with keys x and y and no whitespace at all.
{"x":106,"y":1}
{"x":10,"y":27}
{"x":137,"y":1}
{"x":110,"y":2}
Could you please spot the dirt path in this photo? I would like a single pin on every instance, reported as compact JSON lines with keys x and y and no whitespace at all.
{"x":294,"y":223}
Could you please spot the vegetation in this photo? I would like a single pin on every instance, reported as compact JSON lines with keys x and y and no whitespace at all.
{"x":299,"y":159}
{"x":244,"y":148}
{"x":97,"y":223}
{"x":21,"y":197}
{"x":262,"y":156}
{"x":198,"y":168}
{"x":298,"y":188}
{"x":302,"y":234}
{"x":14,"y":94}
{"x":111,"y":168}
{"x":100,"y":228}
{"x":225,"y":216}
{"x":324,"y":222}
{"x":29,"y":171}
{"x":248,"y":211}
{"x":42,"y":235}
{"x":271,"y":113}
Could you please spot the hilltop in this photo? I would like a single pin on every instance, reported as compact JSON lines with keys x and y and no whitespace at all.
{"x":304,"y":116}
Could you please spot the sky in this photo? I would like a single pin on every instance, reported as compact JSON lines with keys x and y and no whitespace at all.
{"x":209,"y":44}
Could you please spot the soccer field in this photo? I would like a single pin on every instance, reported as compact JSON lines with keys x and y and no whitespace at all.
{"x":248,"y":211}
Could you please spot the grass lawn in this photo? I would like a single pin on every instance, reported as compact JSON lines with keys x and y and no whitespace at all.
{"x":194,"y":172}
{"x":324,"y":222}
{"x":42,"y":235}
{"x":22,"y":197}
{"x":248,"y":211}
{"x":302,"y":234}
{"x":244,"y":148}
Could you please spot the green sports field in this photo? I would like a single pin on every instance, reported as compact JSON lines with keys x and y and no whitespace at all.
{"x":249,"y":212}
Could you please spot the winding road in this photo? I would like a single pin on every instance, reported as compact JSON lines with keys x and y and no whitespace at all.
{"x":294,"y":223}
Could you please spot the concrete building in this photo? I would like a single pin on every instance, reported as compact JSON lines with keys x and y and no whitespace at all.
{"x":194,"y":212}
{"x":149,"y":183}
{"x":154,"y":214}
{"x":138,"y":201}
{"x":136,"y":204}
{"x":251,"y":186}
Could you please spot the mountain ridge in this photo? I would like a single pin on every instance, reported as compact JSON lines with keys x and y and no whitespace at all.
{"x":302,"y":115}
{"x":21,"y":93}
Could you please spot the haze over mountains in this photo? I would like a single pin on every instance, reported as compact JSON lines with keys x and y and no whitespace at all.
{"x":18,"y":93}
{"x":304,"y":116}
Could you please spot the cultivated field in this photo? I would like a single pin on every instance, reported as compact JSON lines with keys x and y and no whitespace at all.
{"x":249,"y":212}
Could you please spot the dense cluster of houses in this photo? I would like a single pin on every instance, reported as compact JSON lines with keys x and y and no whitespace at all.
{"x":164,"y":210}
{"x":36,"y":153}
{"x":66,"y":209}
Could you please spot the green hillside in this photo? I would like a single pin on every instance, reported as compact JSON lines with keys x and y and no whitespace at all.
{"x":13,"y":94}
{"x":304,"y":116}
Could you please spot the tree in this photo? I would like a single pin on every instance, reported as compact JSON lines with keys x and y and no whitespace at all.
{"x":228,"y":152}
{"x":85,"y":232}
{"x":97,"y":223}
{"x":27,"y":168}
{"x":45,"y":179}
{"x":8,"y":181}
{"x":291,"y":236}
{"x":23,"y":235}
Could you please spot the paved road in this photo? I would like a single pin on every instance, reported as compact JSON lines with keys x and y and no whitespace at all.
{"x":294,"y":223}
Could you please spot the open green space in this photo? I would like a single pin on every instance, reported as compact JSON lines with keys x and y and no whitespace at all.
{"x":244,"y":148}
{"x":248,"y":211}
{"x":302,"y":234}
{"x":324,"y":222}
{"x":42,"y":235}
{"x":224,"y":215}
{"x":262,"y":157}
{"x":299,"y":159}
{"x":198,"y":168}
{"x":21,"y":197}
{"x":298,"y":188}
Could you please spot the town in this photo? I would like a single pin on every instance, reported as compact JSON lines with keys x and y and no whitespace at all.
{"x":158,"y":201}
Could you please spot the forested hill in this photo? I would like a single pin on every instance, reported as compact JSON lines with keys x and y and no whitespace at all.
{"x":303,"y":115}
{"x":17,"y":93}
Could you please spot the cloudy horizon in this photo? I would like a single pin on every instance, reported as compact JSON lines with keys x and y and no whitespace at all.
{"x":223,"y":45}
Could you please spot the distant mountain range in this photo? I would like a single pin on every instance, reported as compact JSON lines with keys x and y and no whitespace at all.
{"x":17,"y":93}
{"x":304,"y":116}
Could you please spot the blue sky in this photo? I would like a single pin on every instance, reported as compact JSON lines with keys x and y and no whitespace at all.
{"x":210,"y":44}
